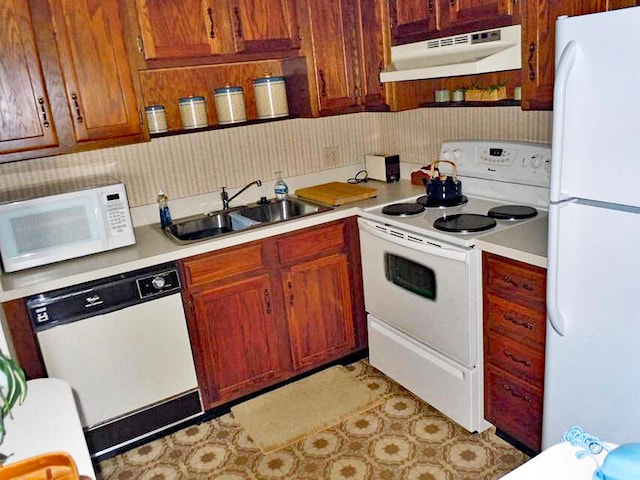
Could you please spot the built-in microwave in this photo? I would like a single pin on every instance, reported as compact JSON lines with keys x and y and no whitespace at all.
{"x":51,"y":228}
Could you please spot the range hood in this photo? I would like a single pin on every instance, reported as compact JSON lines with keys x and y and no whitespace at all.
{"x":484,"y":51}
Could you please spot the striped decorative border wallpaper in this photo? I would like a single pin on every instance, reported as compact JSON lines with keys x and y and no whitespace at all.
{"x":202,"y":162}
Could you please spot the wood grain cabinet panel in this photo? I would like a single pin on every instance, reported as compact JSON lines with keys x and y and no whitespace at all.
{"x":514,"y":322}
{"x":26,"y":122}
{"x":319,"y":310}
{"x":95,"y":67}
{"x":257,"y":317}
{"x":478,"y":14}
{"x":344,"y":45}
{"x":198,"y":28}
{"x":538,"y":44}
{"x":413,"y":20}
{"x":237,"y":335}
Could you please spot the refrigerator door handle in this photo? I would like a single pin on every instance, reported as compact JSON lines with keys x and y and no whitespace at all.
{"x":553,"y":311}
{"x":565,"y":66}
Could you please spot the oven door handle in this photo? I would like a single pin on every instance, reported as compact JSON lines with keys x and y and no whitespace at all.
{"x":424,"y":246}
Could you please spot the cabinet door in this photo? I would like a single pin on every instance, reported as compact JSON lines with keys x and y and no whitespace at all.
{"x":25,"y":116}
{"x":460,"y":15}
{"x":190,"y":28}
{"x":371,"y":53}
{"x":264,"y":25}
{"x":95,"y":68}
{"x":236,"y":331}
{"x":412,"y":20}
{"x":333,"y":41}
{"x":319,"y":310}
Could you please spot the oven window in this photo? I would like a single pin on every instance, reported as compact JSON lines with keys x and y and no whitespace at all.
{"x":410,"y":275}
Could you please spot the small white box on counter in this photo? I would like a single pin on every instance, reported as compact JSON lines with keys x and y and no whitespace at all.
{"x":383,"y":167}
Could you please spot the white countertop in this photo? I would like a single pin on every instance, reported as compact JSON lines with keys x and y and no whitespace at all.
{"x":526,"y":243}
{"x":153,"y":247}
{"x":47,"y":422}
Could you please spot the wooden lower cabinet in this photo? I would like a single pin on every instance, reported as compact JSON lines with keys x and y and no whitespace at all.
{"x":265,"y":311}
{"x":319,"y":311}
{"x":514,"y":339}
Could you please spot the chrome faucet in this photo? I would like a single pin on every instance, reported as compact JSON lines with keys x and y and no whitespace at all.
{"x":225,"y":196}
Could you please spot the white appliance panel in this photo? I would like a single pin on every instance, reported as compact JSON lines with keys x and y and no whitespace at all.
{"x":445,"y":385}
{"x":596,"y":134}
{"x":591,"y":376}
{"x":104,"y":357}
{"x":446,"y":322}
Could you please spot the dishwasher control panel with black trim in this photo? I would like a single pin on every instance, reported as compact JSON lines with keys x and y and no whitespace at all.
{"x":102,"y":296}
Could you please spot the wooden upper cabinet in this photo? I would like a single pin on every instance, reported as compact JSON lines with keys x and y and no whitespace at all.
{"x":333,"y":41}
{"x":264,"y":25}
{"x":95,"y":68}
{"x":371,"y":57}
{"x":196,"y":28}
{"x":462,"y":15}
{"x":412,"y":20}
{"x":25,"y":116}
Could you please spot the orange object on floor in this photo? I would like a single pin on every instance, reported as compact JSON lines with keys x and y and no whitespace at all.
{"x":48,"y":466}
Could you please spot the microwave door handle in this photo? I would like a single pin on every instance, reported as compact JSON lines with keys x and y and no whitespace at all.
{"x":432,"y":249}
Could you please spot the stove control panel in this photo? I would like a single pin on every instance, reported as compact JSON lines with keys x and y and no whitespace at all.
{"x":516,"y":162}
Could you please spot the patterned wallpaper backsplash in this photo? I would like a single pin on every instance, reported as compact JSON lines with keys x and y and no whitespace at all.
{"x":202,"y":162}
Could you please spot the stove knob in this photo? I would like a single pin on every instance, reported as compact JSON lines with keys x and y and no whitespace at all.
{"x":457,"y":153}
{"x":547,"y":166}
{"x":158,"y":282}
{"x":445,"y":155}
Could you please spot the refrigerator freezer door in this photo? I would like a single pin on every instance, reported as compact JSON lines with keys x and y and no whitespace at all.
{"x":592,"y":377}
{"x":596,"y":125}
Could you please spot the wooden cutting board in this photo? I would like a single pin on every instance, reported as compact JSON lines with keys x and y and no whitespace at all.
{"x":336,"y":193}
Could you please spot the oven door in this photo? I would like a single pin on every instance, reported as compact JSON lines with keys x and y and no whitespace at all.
{"x":423,"y":288}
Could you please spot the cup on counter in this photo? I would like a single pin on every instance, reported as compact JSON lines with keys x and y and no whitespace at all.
{"x":517,"y":93}
{"x":193,"y":112}
{"x":458,"y":95}
{"x":230,"y":104}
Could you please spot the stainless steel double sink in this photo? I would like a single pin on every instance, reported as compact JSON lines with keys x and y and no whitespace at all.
{"x":226,"y":222}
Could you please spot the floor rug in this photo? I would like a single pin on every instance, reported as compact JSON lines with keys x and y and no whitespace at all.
{"x":297,"y":410}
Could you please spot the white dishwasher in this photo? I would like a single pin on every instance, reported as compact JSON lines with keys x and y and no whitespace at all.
{"x":122,"y":344}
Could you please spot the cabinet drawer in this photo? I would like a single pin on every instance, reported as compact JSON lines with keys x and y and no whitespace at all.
{"x":311,"y":242}
{"x":514,"y":407}
{"x":223,"y":263}
{"x":516,"y":321}
{"x":515,"y":358}
{"x":520,"y":282}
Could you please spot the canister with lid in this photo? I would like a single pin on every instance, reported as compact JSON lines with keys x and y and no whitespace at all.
{"x":271,"y":97}
{"x":193,"y":112}
{"x":230,"y":104}
{"x":156,"y":118}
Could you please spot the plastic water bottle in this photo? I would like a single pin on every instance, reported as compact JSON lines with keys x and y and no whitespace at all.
{"x":280,"y":188}
{"x":163,"y":205}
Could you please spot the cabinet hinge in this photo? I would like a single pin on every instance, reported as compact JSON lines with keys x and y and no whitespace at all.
{"x":140,"y":44}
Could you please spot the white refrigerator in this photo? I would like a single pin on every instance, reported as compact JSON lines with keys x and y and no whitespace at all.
{"x":592,"y":376}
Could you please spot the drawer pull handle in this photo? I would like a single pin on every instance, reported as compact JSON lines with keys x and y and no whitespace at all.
{"x":267,"y":297}
{"x":323,"y":80}
{"x":212,"y":32}
{"x":532,"y":51}
{"x":509,"y":318}
{"x":430,"y":6}
{"x":74,"y":97}
{"x":45,"y":122}
{"x":516,"y":359}
{"x":290,"y":293}
{"x":516,"y":394}
{"x":236,"y":12}
{"x":526,"y":286}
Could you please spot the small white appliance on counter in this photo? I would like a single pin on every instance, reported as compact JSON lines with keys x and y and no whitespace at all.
{"x":421,"y":271}
{"x":593,"y":301}
{"x":122,"y":344}
{"x":46,"y":229}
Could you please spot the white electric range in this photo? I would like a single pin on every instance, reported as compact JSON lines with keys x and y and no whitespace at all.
{"x":423,"y":284}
